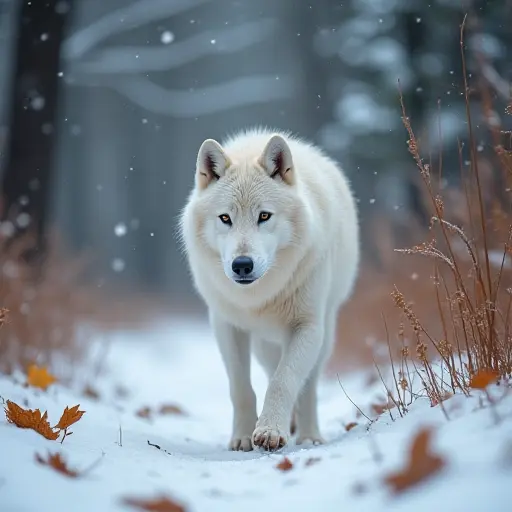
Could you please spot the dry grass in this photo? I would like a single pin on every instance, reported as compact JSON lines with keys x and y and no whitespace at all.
{"x":49,"y":313}
{"x":457,"y":309}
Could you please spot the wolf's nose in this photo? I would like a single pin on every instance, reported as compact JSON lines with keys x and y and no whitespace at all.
{"x":242,"y":266}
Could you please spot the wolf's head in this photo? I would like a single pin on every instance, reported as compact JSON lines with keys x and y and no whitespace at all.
{"x":247,"y":208}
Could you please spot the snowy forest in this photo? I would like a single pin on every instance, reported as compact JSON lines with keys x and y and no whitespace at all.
{"x":103,"y":108}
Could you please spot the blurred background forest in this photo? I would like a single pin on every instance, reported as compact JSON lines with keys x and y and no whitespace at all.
{"x":104,"y":104}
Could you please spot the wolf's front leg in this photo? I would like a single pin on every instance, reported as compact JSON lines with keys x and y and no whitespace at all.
{"x":299,"y":358}
{"x":234,"y":347}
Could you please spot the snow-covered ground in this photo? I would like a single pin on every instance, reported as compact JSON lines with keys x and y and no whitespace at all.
{"x":179,"y":364}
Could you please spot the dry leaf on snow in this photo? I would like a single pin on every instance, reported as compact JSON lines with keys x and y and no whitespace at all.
{"x":381,"y":408}
{"x":39,"y":377}
{"x":171,"y":409}
{"x":69,"y":416}
{"x":161,"y":504}
{"x":55,"y":461}
{"x":422,"y":464}
{"x":482,"y":379}
{"x":144,"y":412}
{"x":33,"y":419}
{"x":90,"y":392}
{"x":285,"y":464}
{"x":350,"y":426}
{"x":28,"y":418}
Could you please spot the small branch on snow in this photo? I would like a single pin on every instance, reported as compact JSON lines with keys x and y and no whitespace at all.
{"x":95,"y":464}
{"x":120,"y":443}
{"x":159,"y":448}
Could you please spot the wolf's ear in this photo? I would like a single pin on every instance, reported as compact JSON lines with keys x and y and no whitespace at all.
{"x":212,"y":163}
{"x":277,"y":160}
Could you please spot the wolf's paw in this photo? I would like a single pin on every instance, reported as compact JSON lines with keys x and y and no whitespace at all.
{"x":315,"y":440}
{"x":241,"y":443}
{"x":269,"y":438}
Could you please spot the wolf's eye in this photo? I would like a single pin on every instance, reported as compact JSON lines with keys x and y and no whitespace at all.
{"x":225,"y":219}
{"x":264,"y":216}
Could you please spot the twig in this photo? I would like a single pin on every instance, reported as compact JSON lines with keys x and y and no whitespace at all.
{"x":159,"y":448}
{"x":343,"y":389}
{"x":93,"y":465}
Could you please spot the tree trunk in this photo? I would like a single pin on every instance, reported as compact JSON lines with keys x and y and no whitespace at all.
{"x":34,"y":92}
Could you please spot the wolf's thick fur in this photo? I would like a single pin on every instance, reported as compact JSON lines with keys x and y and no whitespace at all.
{"x":283,"y":204}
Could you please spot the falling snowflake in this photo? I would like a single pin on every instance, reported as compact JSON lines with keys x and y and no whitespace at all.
{"x":120,"y":229}
{"x":118,"y":265}
{"x":167,"y":37}
{"x":37,"y":102}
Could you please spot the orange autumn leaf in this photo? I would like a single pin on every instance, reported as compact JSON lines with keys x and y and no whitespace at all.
{"x":39,"y":377}
{"x":483,"y":378}
{"x":28,"y":418}
{"x":285,"y":464}
{"x":161,"y":504}
{"x":350,"y":426}
{"x":56,"y":462}
{"x":144,"y":412}
{"x":166,"y":409}
{"x":69,"y":416}
{"x":422,"y":464}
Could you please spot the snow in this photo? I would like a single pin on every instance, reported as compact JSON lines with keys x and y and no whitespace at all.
{"x":167,"y":37}
{"x":179,"y":363}
{"x":120,"y":229}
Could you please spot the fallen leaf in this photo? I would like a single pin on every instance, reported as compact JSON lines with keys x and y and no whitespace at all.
{"x":161,"y":504}
{"x":90,"y":392}
{"x":28,"y":418}
{"x":171,"y":409}
{"x":422,"y":464}
{"x":381,"y":408}
{"x":483,"y":378}
{"x":285,"y":464}
{"x":39,"y":377}
{"x":144,"y":412}
{"x":312,"y":460}
{"x":350,"y":426}
{"x":56,"y":462}
{"x":69,"y":416}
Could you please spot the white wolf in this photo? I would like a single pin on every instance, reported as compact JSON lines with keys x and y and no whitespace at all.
{"x":271,"y":234}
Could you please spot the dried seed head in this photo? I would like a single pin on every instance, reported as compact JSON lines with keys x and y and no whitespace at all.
{"x":445,"y":349}
{"x":421,"y":351}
